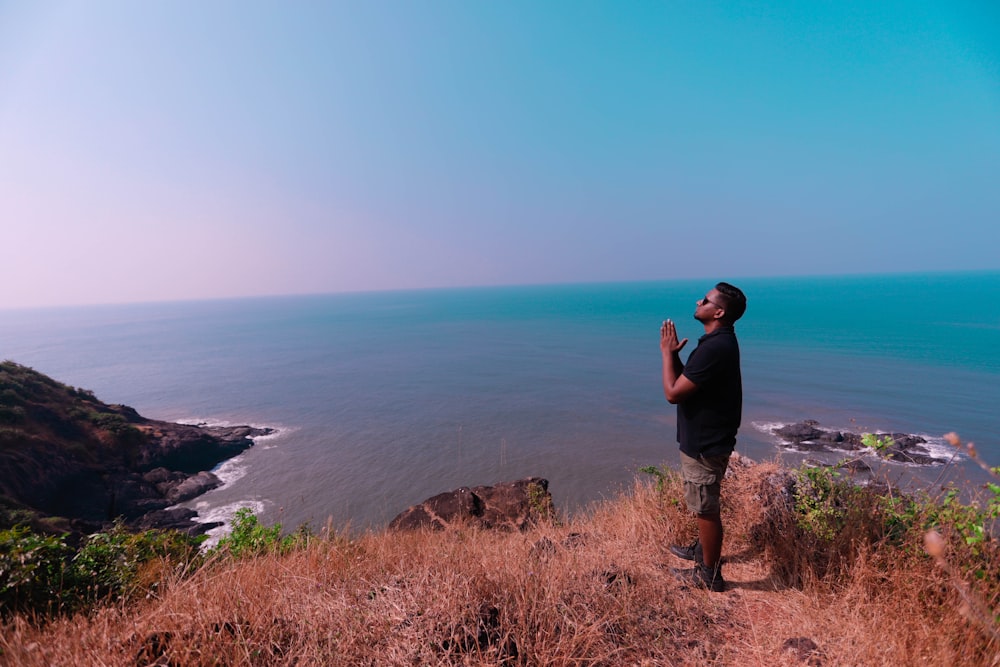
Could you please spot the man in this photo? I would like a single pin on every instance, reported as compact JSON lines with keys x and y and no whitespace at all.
{"x":708,"y":392}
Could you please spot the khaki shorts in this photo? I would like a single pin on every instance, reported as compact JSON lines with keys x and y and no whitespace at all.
{"x":702,"y":480}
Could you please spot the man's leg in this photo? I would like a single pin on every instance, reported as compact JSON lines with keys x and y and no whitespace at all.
{"x":702,"y":490}
{"x":710,"y":536}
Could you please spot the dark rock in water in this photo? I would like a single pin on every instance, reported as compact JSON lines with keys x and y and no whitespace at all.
{"x":807,"y":436}
{"x":180,"y":519}
{"x":191,"y":449}
{"x":907,"y":448}
{"x":175,"y":518}
{"x":905,"y":442}
{"x":505,"y":506}
{"x":192,"y":487}
{"x":916,"y":458}
{"x":852,"y":441}
{"x":797,"y":433}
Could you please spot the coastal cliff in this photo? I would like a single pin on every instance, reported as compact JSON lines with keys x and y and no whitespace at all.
{"x":69,"y":462}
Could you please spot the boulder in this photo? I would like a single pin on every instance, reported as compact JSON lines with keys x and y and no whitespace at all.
{"x":192,"y":487}
{"x":504,"y":506}
{"x":800,"y":432}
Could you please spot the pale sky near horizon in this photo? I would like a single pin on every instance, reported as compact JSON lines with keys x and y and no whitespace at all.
{"x":157,"y":151}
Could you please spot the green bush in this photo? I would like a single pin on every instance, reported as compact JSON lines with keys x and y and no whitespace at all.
{"x":33,"y":571}
{"x":824,"y":502}
{"x":249,"y":538}
{"x":827,"y":504}
{"x":43,"y":575}
{"x":109,"y":421}
{"x":112,"y":564}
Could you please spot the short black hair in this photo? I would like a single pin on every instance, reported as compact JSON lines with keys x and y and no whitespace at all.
{"x":735,"y":301}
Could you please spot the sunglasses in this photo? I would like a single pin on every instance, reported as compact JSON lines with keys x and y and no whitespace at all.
{"x":705,"y":300}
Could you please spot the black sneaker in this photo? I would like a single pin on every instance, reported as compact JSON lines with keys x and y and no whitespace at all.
{"x":690,"y":552}
{"x":703,"y":577}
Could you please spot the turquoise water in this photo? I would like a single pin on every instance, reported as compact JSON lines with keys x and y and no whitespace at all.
{"x":384,"y":399}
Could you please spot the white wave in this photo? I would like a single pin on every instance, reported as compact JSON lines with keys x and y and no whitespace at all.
{"x":231,"y":470}
{"x":939,"y":448}
{"x":768,"y":427}
{"x":269,"y":441}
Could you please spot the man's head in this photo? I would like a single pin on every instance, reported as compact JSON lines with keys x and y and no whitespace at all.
{"x":724,"y":304}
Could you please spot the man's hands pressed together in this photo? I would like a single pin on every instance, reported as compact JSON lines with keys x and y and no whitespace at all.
{"x":676,"y":387}
{"x":668,"y":338}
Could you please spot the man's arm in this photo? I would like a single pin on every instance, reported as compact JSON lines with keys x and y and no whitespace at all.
{"x":676,"y":385}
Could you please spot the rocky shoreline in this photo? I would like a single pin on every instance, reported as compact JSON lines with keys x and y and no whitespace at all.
{"x":176,"y":467}
{"x":807,"y":436}
{"x":171,"y":466}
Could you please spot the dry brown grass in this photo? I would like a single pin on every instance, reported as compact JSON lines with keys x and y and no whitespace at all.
{"x":596,"y":590}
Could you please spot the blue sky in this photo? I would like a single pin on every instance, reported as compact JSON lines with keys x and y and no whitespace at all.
{"x":181,"y":150}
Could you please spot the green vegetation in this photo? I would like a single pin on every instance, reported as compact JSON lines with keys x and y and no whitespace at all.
{"x":661,"y":475}
{"x":826,"y":503}
{"x":33,"y":572}
{"x":33,"y":406}
{"x":541,"y":502}
{"x":248,"y":538}
{"x":122,"y":564}
{"x":43,"y":575}
{"x":876,"y":443}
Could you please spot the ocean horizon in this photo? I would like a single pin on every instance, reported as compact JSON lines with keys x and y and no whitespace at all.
{"x":383,"y":399}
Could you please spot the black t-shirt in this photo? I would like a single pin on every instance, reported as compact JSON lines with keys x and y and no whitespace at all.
{"x":708,"y":419}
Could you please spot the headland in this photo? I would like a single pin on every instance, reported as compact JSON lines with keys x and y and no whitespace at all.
{"x":72,"y":463}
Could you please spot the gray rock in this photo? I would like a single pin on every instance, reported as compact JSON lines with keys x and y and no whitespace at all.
{"x":193,"y":486}
{"x":796,"y":433}
{"x":505,"y":506}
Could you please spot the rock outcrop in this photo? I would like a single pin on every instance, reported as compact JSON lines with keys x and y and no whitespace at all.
{"x":807,"y":436}
{"x":505,"y":506}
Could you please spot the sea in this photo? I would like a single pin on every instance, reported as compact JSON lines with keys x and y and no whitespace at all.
{"x":380,"y":400}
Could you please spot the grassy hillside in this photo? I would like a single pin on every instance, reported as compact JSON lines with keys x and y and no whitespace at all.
{"x":35,"y":405}
{"x":821,"y":573}
{"x":52,"y":437}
